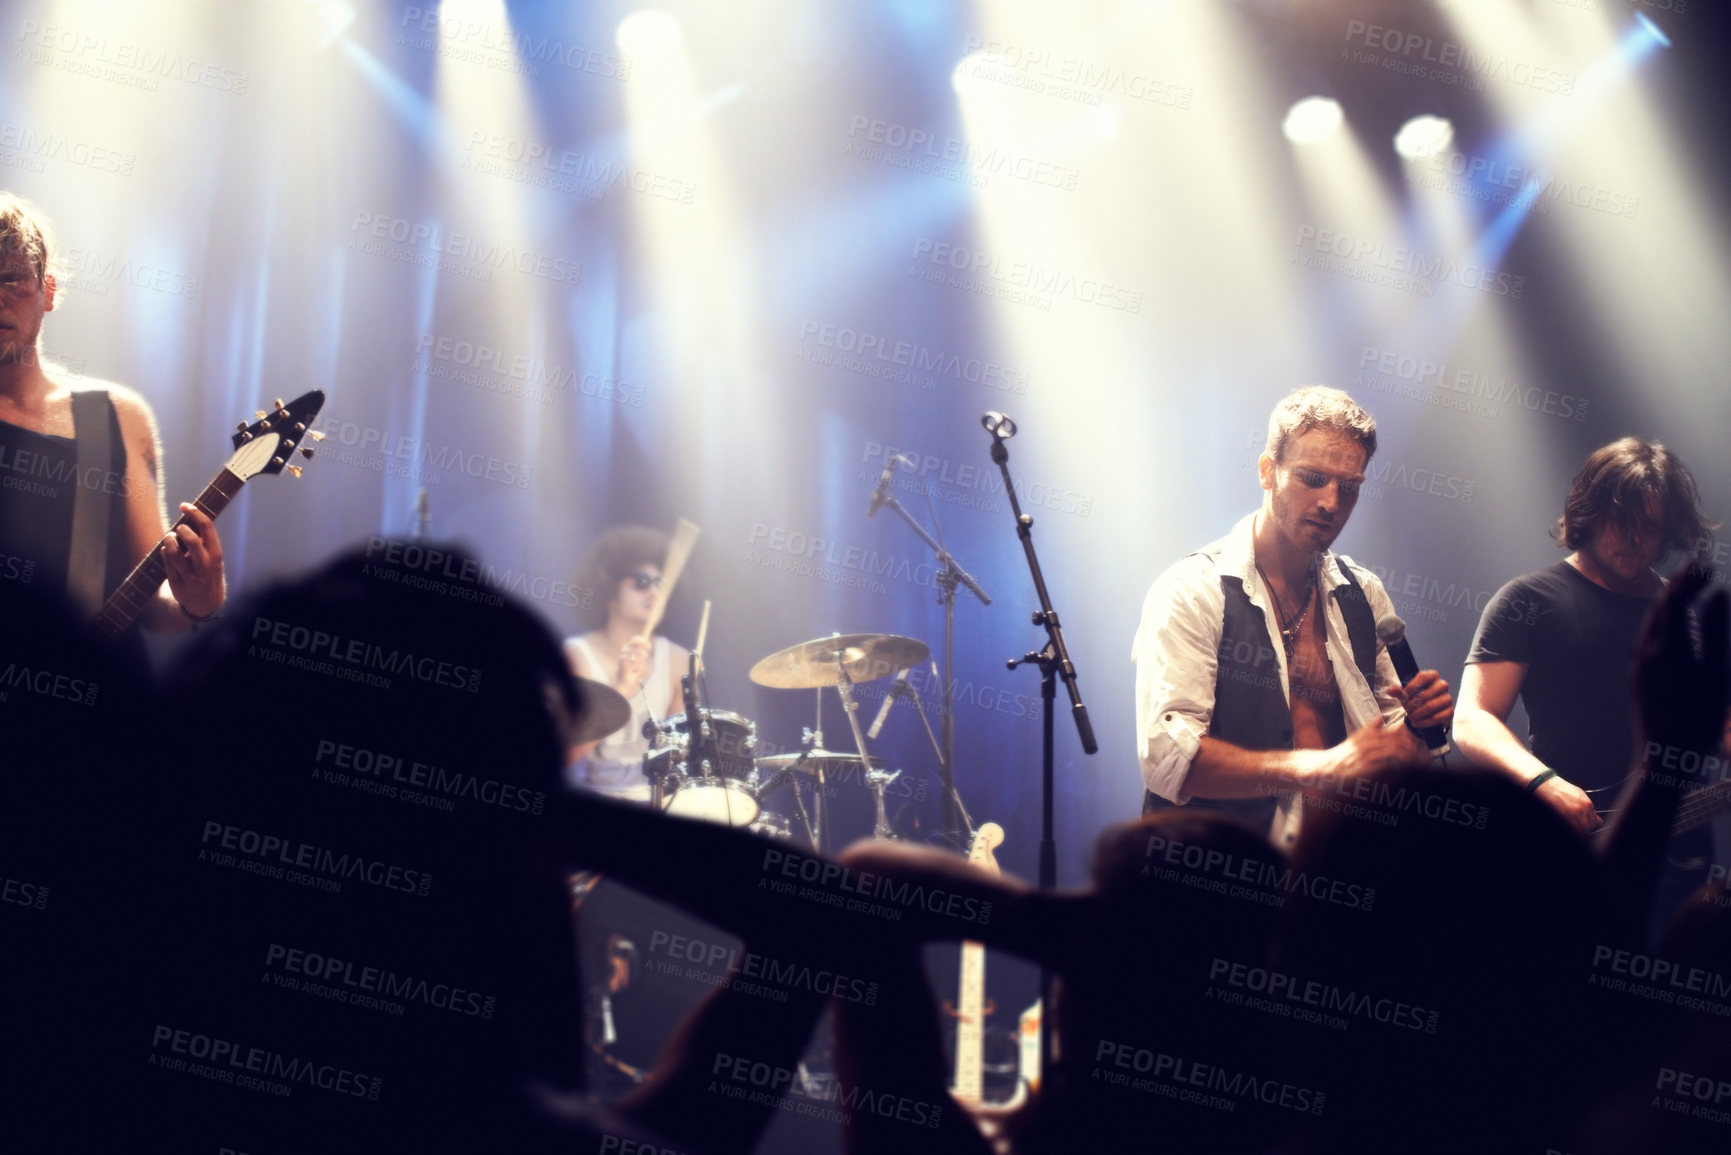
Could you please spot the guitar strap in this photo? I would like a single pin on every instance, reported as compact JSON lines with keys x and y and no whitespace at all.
{"x":100,"y":455}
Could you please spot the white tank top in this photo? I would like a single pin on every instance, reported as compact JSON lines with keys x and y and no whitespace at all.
{"x":615,"y":766}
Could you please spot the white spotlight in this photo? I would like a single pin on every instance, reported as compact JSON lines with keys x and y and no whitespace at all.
{"x":1423,"y":136}
{"x":647,"y":32}
{"x":1312,"y":119}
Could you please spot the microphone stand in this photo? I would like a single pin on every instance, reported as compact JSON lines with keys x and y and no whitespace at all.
{"x":950,"y":574}
{"x":1054,"y":662}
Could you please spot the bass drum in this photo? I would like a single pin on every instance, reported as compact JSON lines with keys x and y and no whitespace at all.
{"x":725,"y":791}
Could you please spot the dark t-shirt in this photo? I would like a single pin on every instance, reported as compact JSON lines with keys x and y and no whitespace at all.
{"x":1577,"y":640}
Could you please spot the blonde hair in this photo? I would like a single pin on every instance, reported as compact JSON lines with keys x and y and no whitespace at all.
{"x":1319,"y":407}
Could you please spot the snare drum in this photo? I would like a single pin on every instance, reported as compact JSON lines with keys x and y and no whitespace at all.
{"x":724,"y":791}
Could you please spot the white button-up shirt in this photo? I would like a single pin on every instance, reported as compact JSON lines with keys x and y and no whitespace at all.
{"x":1177,"y":657}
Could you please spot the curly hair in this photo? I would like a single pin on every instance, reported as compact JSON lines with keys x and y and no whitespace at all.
{"x":1613,"y":486}
{"x":615,"y":556}
{"x":1319,"y":407}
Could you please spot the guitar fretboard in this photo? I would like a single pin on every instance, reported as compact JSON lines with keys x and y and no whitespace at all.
{"x":129,"y":599}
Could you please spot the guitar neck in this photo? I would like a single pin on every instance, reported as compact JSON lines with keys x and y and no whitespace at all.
{"x":1700,"y":806}
{"x":127,"y":602}
{"x":970,"y":1026}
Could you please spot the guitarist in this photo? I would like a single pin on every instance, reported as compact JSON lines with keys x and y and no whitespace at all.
{"x":1562,"y":640}
{"x":80,"y":494}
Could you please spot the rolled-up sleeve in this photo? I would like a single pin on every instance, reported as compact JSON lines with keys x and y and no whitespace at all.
{"x":1176,"y":654}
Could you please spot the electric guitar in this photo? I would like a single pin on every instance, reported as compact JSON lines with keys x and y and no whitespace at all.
{"x":971,"y":1006}
{"x":264,"y":447}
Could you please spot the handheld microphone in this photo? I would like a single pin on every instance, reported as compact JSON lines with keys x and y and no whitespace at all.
{"x":1391,"y":632}
{"x":897,"y":688}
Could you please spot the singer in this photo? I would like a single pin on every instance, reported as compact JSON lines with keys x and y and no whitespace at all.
{"x":1241,"y":702}
{"x":624,"y":567}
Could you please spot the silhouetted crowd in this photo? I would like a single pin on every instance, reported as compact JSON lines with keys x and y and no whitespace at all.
{"x":312,"y":893}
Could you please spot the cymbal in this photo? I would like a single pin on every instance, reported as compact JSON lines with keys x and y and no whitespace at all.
{"x":817,"y":663}
{"x":604,"y":710}
{"x":809,"y":760}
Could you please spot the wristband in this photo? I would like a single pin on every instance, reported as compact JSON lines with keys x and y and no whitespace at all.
{"x":1540,"y":780}
{"x":210,"y":617}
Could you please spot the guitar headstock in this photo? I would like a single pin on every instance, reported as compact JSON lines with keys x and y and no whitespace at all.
{"x":269,"y":443}
{"x":986,"y":839}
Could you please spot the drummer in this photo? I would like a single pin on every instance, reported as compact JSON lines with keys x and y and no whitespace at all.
{"x":624,"y":565}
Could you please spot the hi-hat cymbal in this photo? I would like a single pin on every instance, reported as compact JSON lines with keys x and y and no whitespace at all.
{"x":603,"y":711}
{"x":817,"y":663}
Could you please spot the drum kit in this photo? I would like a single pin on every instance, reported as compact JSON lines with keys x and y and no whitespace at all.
{"x":714,"y":768}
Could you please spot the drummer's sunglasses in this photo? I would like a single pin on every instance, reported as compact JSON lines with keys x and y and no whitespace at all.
{"x":646,"y":580}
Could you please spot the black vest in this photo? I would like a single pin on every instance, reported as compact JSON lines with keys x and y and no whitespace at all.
{"x":1250,"y":711}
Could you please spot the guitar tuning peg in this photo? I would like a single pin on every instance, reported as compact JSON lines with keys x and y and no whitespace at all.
{"x":245,"y":436}
{"x":300,"y":427}
{"x":258,"y":414}
{"x":295,"y":469}
{"x":307,"y":452}
{"x":240,"y":425}
{"x":280,"y":407}
{"x":317,"y":436}
{"x":277,"y":461}
{"x":287,"y":445}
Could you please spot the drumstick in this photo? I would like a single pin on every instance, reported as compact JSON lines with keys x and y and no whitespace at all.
{"x":702,"y":633}
{"x":678,"y":552}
